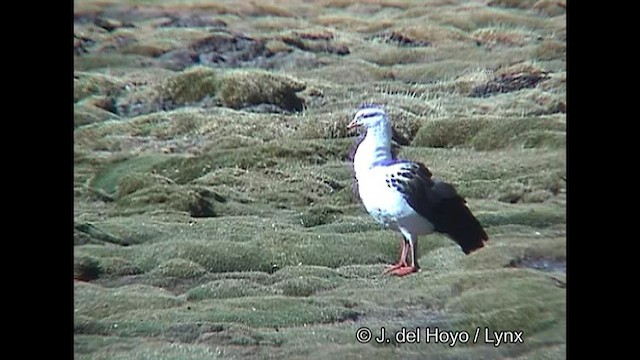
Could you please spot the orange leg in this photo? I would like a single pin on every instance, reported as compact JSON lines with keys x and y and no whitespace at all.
{"x":404,"y":269}
{"x":402,"y":262}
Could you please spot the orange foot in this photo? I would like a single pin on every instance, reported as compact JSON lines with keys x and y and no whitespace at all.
{"x":394,"y":267}
{"x":402,"y":270}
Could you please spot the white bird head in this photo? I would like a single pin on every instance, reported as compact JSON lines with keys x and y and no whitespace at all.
{"x":369,"y":117}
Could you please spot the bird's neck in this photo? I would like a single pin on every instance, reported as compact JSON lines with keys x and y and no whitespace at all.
{"x":376,"y":147}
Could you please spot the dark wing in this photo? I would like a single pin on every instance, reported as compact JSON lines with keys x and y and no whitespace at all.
{"x":439,"y":203}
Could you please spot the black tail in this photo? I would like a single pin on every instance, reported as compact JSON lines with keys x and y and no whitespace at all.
{"x":440,"y":203}
{"x":455,"y":220}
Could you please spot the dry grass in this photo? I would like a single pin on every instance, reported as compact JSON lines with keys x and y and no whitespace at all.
{"x":400,"y":4}
{"x":551,"y":7}
{"x":435,"y":33}
{"x":496,"y":35}
{"x":478,"y":16}
{"x":270,"y":9}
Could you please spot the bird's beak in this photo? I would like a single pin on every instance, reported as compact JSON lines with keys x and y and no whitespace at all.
{"x":352,"y":124}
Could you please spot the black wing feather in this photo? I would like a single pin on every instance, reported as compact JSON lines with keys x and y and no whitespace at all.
{"x":440,"y":203}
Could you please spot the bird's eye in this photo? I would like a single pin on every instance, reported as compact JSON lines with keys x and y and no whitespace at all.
{"x":368,"y":115}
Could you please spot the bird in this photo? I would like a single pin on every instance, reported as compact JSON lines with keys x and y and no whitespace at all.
{"x":404,"y":196}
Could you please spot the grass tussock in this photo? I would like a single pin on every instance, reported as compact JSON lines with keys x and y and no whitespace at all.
{"x":245,"y":88}
{"x":487,"y":16}
{"x":551,"y":49}
{"x":391,"y":55}
{"x":196,"y":202}
{"x":228,"y":288}
{"x":264,"y":9}
{"x":180,"y":268}
{"x":90,"y":111}
{"x":430,"y":72}
{"x":496,"y":35}
{"x":527,"y":132}
{"x":97,"y":302}
{"x":449,"y":132}
{"x":186,"y":87}
{"x":551,"y":7}
{"x":509,"y":79}
{"x":159,"y":41}
{"x":546,"y":7}
{"x":353,"y":71}
{"x":87,"y":84}
{"x":191,"y":85}
{"x":491,"y":134}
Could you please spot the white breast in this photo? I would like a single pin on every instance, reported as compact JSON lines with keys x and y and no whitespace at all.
{"x":380,"y":199}
{"x":387,"y":206}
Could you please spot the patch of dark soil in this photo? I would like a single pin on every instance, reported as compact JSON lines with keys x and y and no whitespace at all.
{"x":315,"y":43}
{"x":266,"y":109}
{"x":400,"y":39}
{"x":179,"y":59}
{"x":350,"y":316}
{"x":86,"y":268}
{"x":80,"y":44}
{"x":203,"y":204}
{"x":539,"y":263}
{"x":88,"y":231}
{"x":228,"y":50}
{"x":111,"y":24}
{"x":193,"y":20}
{"x":107,"y":103}
{"x":222,"y":50}
{"x":507,"y":83}
{"x":190,"y":332}
{"x":316,"y":35}
{"x":225,"y":49}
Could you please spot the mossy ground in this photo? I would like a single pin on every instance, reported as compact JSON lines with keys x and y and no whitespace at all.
{"x":214,"y":208}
